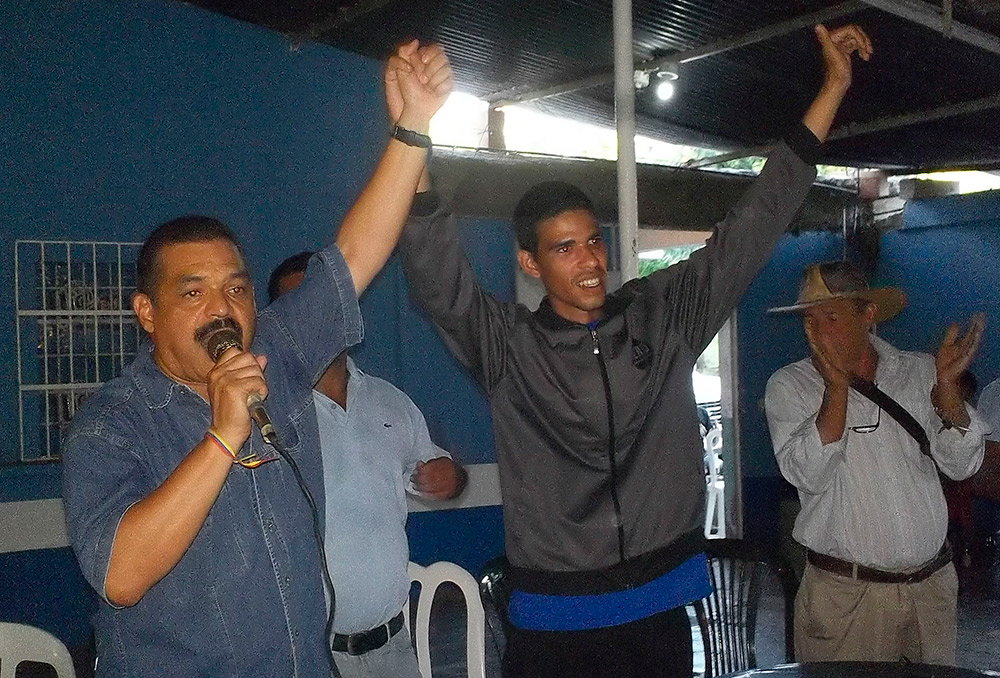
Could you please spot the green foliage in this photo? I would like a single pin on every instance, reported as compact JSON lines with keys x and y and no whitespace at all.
{"x":708,"y":362}
{"x":671,"y":256}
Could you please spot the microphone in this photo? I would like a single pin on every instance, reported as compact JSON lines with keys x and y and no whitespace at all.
{"x":217,"y":344}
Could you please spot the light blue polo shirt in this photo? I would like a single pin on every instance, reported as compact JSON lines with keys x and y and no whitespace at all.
{"x":369,"y":453}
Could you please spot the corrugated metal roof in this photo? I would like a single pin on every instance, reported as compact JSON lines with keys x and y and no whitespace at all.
{"x":740,"y":98}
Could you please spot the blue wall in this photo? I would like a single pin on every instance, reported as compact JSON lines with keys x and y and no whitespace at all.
{"x":120,"y":115}
{"x":766,"y":343}
{"x":117,"y":116}
{"x":946,"y":259}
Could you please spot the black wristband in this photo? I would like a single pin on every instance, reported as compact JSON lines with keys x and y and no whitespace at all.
{"x":805,"y":144}
{"x":425,"y":204}
{"x":410,"y":138}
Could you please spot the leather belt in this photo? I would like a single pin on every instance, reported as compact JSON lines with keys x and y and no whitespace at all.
{"x":846,"y":568}
{"x":359,"y":643}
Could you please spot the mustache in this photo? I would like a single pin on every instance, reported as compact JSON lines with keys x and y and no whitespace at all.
{"x":202,"y":334}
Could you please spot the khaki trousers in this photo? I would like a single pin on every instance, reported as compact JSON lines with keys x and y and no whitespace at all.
{"x":843,"y":619}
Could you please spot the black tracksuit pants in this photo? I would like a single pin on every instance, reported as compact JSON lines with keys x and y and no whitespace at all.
{"x":658,"y":646}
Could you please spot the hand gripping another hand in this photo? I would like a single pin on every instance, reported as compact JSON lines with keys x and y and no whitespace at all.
{"x":418,"y":80}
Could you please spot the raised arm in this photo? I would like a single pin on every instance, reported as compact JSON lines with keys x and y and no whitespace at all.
{"x":474,"y":324}
{"x":838,"y":45}
{"x":417,"y":82}
{"x":954,"y":357}
{"x":832,"y":416}
{"x":704,"y":290}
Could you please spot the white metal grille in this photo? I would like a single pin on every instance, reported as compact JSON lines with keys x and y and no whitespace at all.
{"x":75,"y":330}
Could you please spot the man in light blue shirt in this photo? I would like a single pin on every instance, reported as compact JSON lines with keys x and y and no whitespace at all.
{"x":375,"y":447}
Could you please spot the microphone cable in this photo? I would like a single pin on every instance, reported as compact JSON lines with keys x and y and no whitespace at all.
{"x":320,"y":543}
{"x":216,"y":344}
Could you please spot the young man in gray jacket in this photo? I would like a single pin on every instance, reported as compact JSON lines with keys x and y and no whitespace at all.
{"x":595,"y":423}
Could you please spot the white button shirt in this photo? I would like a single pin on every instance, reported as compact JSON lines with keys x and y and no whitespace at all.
{"x":989,"y":409}
{"x":870,"y":498}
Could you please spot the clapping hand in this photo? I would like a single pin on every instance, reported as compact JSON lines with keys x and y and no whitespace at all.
{"x":953,"y":357}
{"x":827,"y":360}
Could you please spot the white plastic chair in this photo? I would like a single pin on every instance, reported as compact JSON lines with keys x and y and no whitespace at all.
{"x":23,"y":643}
{"x":430,"y":578}
{"x":715,"y":509}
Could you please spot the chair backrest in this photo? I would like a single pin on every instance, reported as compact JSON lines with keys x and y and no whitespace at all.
{"x":21,"y":643}
{"x":728,"y":617}
{"x":715,"y":488}
{"x":430,"y":578}
{"x":712,"y":443}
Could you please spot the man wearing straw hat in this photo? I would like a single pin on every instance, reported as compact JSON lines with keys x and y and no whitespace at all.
{"x":862,"y":430}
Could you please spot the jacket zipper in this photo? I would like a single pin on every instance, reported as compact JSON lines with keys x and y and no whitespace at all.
{"x":611,"y":445}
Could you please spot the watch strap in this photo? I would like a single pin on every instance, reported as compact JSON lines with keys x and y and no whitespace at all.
{"x":410,"y":138}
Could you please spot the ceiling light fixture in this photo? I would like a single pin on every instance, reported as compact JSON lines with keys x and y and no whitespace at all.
{"x":665,"y":88}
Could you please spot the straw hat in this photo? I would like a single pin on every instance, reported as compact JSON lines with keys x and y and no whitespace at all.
{"x":843,"y":280}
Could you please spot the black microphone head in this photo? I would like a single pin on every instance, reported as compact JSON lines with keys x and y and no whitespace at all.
{"x":219,"y":342}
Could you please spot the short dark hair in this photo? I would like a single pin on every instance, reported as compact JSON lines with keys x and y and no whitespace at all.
{"x":544,"y":201}
{"x":297,"y":263}
{"x":189,"y":228}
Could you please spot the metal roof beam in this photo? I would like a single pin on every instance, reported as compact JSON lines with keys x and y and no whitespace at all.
{"x":344,"y":15}
{"x":881,"y":125}
{"x":928,"y":15}
{"x":519,"y":95}
{"x":918,"y":118}
{"x":726,"y":157}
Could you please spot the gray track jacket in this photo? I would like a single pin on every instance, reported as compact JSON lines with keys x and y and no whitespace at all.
{"x":597,"y":431}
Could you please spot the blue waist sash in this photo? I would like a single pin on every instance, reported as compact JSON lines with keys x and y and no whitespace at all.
{"x":543,"y":612}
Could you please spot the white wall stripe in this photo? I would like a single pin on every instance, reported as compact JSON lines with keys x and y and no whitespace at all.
{"x":483,"y":490}
{"x":32,"y":525}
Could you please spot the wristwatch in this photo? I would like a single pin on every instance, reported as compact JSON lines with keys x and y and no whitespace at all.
{"x":410,"y":138}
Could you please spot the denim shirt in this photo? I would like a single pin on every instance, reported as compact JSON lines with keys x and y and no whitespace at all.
{"x":247,"y":598}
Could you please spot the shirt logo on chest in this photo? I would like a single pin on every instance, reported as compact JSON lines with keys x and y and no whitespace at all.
{"x":642,"y":354}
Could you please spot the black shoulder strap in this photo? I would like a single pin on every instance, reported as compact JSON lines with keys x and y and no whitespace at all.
{"x":894,"y":410}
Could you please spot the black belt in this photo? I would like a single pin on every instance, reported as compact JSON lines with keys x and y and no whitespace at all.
{"x":846,"y":568}
{"x":366,"y":641}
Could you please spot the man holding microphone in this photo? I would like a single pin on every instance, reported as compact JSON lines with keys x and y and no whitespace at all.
{"x":201,"y":552}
